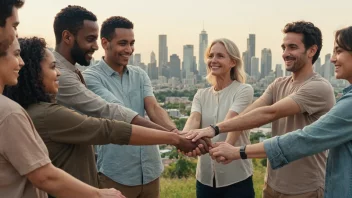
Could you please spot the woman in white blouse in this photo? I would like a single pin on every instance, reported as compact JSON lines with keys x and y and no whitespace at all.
{"x":227,"y":97}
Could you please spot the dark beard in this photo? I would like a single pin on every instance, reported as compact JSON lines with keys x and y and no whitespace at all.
{"x":78,"y":55}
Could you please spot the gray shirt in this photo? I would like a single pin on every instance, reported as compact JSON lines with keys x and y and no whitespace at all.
{"x":74,"y":94}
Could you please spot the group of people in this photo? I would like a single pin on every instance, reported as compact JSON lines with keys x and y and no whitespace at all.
{"x":64,"y":133}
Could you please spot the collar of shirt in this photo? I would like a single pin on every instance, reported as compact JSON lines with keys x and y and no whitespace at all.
{"x":65,"y":63}
{"x":347,"y":89}
{"x":108,"y":70}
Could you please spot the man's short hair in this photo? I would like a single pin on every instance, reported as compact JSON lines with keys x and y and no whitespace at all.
{"x":6,"y":7}
{"x":71,"y":19}
{"x":109,"y":25}
{"x":311,"y":35}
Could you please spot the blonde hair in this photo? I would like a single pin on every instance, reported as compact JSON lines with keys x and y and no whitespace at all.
{"x":237,"y":72}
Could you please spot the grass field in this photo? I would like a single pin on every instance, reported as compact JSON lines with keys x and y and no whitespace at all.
{"x":186,"y":188}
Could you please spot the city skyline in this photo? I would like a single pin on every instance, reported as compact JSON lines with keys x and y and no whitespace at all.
{"x":230,"y":19}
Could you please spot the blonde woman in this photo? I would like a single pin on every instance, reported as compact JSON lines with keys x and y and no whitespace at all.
{"x":226,"y":98}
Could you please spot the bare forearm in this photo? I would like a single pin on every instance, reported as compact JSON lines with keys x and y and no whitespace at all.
{"x":192,"y":123}
{"x":252,"y":119}
{"x":145,"y":136}
{"x":160,"y":116}
{"x":138,"y":120}
{"x":232,"y":137}
{"x":256,"y":151}
{"x":60,"y":184}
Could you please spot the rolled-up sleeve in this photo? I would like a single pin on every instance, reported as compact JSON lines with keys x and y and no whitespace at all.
{"x":81,"y":129}
{"x":331,"y":130}
{"x":72,"y":93}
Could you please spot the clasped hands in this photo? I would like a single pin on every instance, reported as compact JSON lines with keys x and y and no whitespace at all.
{"x":197,"y":142}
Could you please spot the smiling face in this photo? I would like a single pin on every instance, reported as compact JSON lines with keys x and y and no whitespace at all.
{"x":85,"y":43}
{"x":49,"y":73}
{"x":120,"y":48}
{"x":342,"y":59}
{"x":10,"y":65}
{"x":219,"y":61}
{"x":294,"y":53}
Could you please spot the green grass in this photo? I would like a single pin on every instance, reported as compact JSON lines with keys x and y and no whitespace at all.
{"x":186,"y":188}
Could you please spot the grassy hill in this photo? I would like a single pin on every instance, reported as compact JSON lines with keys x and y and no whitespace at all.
{"x":186,"y":187}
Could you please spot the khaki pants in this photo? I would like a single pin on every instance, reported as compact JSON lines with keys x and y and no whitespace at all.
{"x":150,"y":190}
{"x":268,"y":192}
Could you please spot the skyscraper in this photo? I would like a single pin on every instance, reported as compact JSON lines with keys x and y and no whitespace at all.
{"x":247,"y":55}
{"x":163,"y":53}
{"x":188,"y":59}
{"x":266,"y":62}
{"x":131,"y":60}
{"x":137,"y":59}
{"x":175,"y":66}
{"x":255,"y":67}
{"x":317,"y":67}
{"x":327,"y":67}
{"x":152,"y":57}
{"x":203,"y":44}
{"x":278,"y":71}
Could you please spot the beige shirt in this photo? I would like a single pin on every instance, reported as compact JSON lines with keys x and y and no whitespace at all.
{"x":74,"y":94}
{"x":315,"y":97}
{"x":69,"y":137}
{"x":213,"y":106}
{"x":21,"y":152}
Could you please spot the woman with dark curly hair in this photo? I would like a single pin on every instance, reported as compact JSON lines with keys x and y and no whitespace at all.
{"x":25,"y":166}
{"x":69,"y":135}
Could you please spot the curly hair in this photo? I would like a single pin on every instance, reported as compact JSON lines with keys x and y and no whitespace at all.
{"x":109,"y":25}
{"x":343,"y":38}
{"x":71,"y":18}
{"x":6,"y":7}
{"x":311,"y":35}
{"x":30,"y":88}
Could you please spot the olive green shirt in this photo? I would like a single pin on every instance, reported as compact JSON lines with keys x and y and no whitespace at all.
{"x":69,"y":137}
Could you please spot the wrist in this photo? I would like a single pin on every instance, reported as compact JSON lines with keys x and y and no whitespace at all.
{"x":242,"y":152}
{"x":215,"y":129}
{"x":176,"y":139}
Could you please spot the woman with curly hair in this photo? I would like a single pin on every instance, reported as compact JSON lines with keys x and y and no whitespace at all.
{"x":69,"y":135}
{"x":25,"y":166}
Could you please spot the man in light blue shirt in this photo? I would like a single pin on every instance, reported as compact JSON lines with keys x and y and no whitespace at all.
{"x":134,"y":170}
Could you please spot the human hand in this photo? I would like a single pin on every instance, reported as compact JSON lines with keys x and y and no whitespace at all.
{"x":204,"y":145}
{"x":196,"y":134}
{"x":224,"y":152}
{"x":185,"y":145}
{"x":110,"y":193}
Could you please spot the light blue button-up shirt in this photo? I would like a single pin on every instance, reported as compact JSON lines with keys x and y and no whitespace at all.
{"x":332,"y":131}
{"x":127,"y":165}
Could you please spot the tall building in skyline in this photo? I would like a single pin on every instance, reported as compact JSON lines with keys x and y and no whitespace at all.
{"x":278,"y":71}
{"x":163,"y":53}
{"x":266,"y":62}
{"x":152,"y":57}
{"x":203,"y":44}
{"x":247,"y":55}
{"x":137,"y":59}
{"x":255,"y":67}
{"x":327,"y":67}
{"x":175,"y":66}
{"x":188,"y":59}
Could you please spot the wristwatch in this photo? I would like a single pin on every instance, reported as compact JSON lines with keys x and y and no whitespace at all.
{"x":216,"y":129}
{"x":243,"y":152}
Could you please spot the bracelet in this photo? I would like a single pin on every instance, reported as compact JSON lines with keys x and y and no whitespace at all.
{"x":216,"y":129}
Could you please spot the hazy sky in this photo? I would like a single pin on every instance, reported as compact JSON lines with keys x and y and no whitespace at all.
{"x":182,"y":21}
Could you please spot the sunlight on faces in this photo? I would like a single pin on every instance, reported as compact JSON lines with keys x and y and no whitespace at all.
{"x":9,"y":32}
{"x":50,"y":73}
{"x":294,"y":53}
{"x":219,"y":61}
{"x":120,"y":48}
{"x":85,"y":43}
{"x":342,"y":59}
{"x":10,"y":65}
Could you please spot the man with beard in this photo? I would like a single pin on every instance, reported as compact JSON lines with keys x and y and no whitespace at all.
{"x":76,"y":32}
{"x":8,"y":22}
{"x":290,"y":103}
{"x":134,"y":170}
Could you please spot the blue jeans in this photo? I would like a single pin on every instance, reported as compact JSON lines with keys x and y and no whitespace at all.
{"x":242,"y":189}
